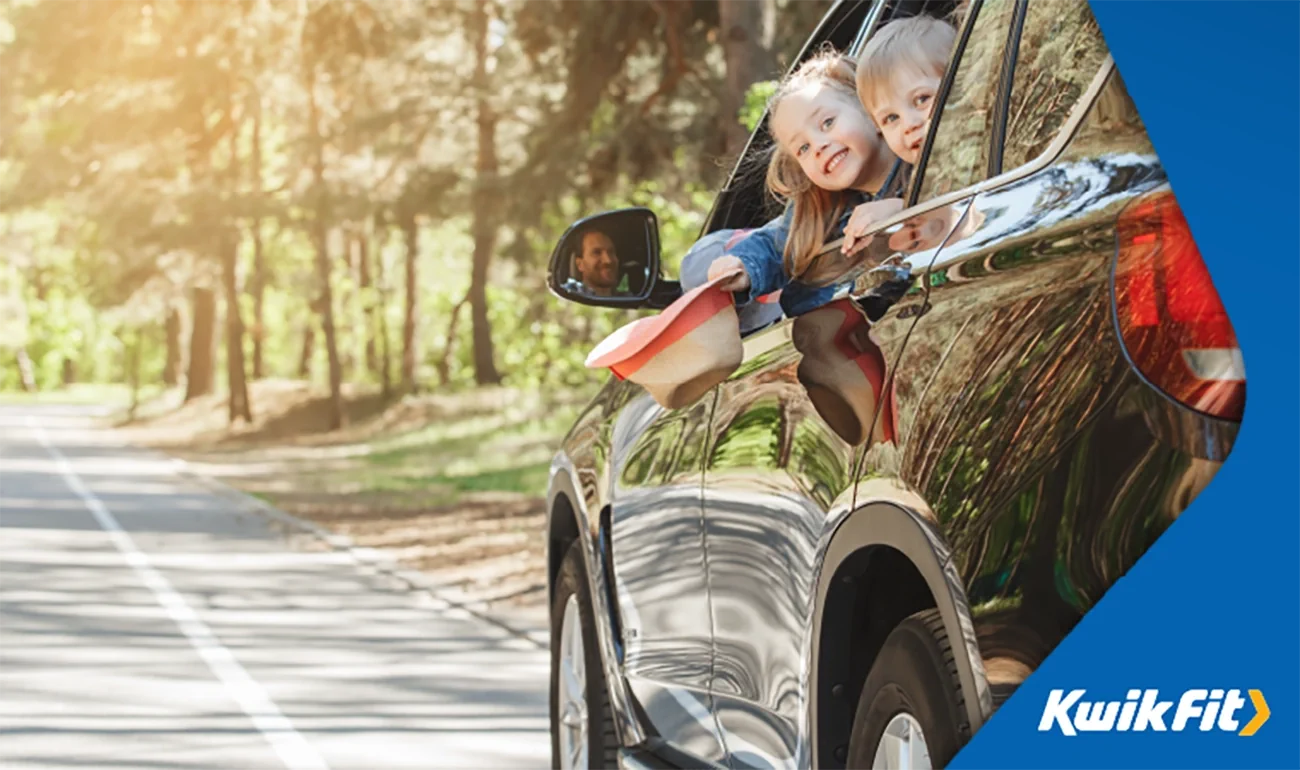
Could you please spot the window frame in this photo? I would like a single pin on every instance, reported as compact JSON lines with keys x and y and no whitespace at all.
{"x":1010,"y":56}
{"x":1006,"y":71}
{"x":1022,"y":13}
{"x":1044,"y":159}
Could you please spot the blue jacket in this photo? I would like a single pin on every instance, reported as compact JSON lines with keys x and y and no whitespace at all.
{"x":762,"y":253}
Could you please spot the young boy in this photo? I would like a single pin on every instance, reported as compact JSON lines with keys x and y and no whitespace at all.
{"x":898,"y":80}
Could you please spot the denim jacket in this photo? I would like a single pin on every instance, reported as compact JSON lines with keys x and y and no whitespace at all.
{"x":762,"y":253}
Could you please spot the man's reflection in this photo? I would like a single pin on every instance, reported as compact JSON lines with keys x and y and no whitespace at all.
{"x":597,"y":265}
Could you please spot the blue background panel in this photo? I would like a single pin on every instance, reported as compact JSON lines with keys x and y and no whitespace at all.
{"x":1216,"y":602}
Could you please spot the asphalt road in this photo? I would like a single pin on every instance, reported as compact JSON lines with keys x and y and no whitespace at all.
{"x":146,"y":622}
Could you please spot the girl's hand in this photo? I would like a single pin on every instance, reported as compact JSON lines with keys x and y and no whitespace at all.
{"x":864,"y":217}
{"x":726,"y":264}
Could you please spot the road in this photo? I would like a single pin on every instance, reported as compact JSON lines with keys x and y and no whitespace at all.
{"x":146,"y":622}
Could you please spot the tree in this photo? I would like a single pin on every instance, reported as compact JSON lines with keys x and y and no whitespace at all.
{"x":486,"y":192}
{"x":258,"y":279}
{"x":319,"y":200}
{"x":172,"y":364}
{"x":411,"y":306}
{"x":748,"y":61}
{"x":202,"y":369}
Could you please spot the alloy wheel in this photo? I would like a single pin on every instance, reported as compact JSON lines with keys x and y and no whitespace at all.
{"x":902,"y":746}
{"x":572,"y":701}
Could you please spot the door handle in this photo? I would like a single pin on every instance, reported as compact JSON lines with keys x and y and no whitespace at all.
{"x":893,"y":269}
{"x":882,"y":286}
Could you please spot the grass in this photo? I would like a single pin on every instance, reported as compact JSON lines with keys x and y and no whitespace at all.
{"x":426,"y":450}
{"x":509,"y":452}
{"x":528,"y":478}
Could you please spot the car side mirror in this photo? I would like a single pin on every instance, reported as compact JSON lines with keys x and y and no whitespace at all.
{"x":612,"y":260}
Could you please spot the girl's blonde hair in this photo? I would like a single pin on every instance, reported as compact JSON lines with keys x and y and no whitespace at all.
{"x":815,"y":210}
{"x":918,"y":43}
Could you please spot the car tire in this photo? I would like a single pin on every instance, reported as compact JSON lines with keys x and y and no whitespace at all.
{"x":913,"y":691}
{"x":572,"y":595}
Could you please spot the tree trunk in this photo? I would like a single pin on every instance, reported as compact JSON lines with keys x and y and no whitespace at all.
{"x":381,"y":287}
{"x":133,"y":371}
{"x":26,"y":372}
{"x":238,"y":407}
{"x":365,"y":286}
{"x":740,"y":23}
{"x":257,"y":287}
{"x":326,"y":305}
{"x":172,"y":365}
{"x":485,"y":195}
{"x":412,"y":236}
{"x":444,"y":364}
{"x":257,"y":282}
{"x":308,"y":346}
{"x":320,"y":234}
{"x":198,"y":382}
{"x":343,"y":302}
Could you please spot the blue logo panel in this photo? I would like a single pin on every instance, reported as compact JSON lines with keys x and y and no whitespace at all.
{"x":1193,"y":659}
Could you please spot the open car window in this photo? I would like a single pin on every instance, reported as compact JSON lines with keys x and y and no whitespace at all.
{"x":744,"y":202}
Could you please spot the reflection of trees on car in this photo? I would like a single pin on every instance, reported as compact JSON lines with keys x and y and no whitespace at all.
{"x":749,"y":441}
{"x":1057,"y":57}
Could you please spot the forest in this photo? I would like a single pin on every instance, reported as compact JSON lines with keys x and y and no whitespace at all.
{"x":360,"y":195}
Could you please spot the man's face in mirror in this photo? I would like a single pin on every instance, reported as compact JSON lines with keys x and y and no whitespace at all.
{"x":598,"y":263}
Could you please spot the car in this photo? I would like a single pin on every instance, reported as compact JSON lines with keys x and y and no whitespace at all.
{"x":853,"y":549}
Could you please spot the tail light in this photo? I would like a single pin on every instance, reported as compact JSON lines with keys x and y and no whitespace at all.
{"x":1171,"y":319}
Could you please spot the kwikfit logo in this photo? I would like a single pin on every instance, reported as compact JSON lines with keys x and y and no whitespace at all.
{"x":1143,"y":710}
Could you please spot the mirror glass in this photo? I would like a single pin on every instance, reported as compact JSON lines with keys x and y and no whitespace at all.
{"x":607,"y":258}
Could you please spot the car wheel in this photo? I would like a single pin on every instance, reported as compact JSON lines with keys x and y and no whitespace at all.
{"x":911,"y":713}
{"x":582,"y":726}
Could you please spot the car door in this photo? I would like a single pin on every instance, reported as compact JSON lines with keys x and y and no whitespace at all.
{"x":660,"y":579}
{"x":789,"y":432}
{"x":1015,"y":350}
{"x":655,"y":525}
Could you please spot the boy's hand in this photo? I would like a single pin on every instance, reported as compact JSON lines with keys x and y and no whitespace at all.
{"x":864,"y":217}
{"x":726,"y":264}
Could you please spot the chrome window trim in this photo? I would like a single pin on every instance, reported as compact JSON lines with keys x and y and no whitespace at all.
{"x":1043,"y":160}
{"x":868,"y":26}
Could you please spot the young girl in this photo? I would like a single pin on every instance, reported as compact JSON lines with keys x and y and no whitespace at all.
{"x":830,"y":164}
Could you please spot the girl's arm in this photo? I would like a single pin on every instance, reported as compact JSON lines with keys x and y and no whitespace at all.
{"x":761,"y":254}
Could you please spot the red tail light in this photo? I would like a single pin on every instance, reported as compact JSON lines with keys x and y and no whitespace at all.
{"x":1171,"y":320}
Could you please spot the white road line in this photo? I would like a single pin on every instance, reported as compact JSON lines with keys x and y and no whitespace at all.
{"x":292,"y":748}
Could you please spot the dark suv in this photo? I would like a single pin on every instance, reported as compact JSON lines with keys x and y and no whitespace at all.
{"x":850,"y":552}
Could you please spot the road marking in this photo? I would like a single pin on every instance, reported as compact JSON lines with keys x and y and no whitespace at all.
{"x":294,"y":750}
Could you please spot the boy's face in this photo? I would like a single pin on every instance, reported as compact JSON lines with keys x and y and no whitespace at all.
{"x":829,"y":134}
{"x":902,"y":109}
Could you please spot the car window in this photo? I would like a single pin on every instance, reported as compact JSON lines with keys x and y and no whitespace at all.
{"x":744,"y":201}
{"x":1111,"y":126}
{"x":1061,"y":49}
{"x":961,"y":141}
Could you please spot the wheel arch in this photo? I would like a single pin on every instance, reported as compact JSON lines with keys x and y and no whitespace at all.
{"x":879,"y":538}
{"x":569,"y":522}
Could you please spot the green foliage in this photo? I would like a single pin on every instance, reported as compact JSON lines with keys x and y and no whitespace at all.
{"x":755,"y":105}
{"x":142,"y":140}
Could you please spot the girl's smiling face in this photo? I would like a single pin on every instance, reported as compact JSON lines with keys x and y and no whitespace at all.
{"x":829,"y":134}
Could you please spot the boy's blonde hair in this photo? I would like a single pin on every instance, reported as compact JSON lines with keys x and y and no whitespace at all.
{"x":921,"y":43}
{"x":815,"y":210}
